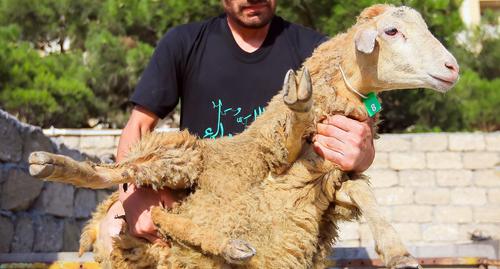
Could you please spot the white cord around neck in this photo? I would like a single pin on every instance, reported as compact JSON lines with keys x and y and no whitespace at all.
{"x":349,"y":86}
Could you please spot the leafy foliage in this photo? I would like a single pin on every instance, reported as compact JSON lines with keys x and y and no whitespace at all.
{"x":114,"y":64}
{"x":332,"y":17}
{"x":47,"y":21}
{"x":44,"y":91}
{"x":112,"y":41}
{"x":480,"y":100}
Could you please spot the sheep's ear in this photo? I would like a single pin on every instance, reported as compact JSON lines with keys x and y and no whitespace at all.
{"x":365,"y":40}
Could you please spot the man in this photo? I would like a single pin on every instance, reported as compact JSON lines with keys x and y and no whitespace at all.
{"x":225,"y":70}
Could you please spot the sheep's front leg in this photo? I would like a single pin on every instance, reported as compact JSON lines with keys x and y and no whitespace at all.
{"x":298,"y":98}
{"x":234,"y":251}
{"x":387,"y":242}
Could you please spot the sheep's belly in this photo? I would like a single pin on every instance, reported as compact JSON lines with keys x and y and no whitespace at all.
{"x":266,"y":218}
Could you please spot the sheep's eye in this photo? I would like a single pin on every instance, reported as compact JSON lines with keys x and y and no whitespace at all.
{"x":391,"y":31}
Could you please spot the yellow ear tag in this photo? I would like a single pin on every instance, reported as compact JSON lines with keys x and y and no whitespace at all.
{"x":372,"y":104}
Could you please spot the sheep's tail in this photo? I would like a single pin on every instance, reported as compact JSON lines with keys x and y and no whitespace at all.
{"x":91,"y":229}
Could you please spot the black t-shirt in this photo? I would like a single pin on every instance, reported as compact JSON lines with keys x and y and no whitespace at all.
{"x":221,"y":87}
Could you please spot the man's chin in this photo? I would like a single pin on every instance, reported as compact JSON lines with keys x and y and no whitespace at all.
{"x":255,"y":22}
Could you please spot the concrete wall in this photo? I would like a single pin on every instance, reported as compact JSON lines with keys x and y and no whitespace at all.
{"x":434,"y":188}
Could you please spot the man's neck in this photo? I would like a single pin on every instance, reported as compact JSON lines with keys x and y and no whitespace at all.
{"x":248,"y":39}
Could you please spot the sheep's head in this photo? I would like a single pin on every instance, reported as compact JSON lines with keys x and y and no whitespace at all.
{"x":403,"y":52}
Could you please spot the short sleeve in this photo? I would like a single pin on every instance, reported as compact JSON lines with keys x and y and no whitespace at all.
{"x":309,"y":40}
{"x":303,"y":40}
{"x":159,"y":86}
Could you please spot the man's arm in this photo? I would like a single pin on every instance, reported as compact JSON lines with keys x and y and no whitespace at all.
{"x":141,"y":121}
{"x":346,"y":142}
{"x":137,"y":202}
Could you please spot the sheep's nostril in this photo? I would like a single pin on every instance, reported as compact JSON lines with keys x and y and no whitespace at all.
{"x":452,"y":66}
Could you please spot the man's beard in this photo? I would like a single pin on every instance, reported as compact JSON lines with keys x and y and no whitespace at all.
{"x":253,"y":24}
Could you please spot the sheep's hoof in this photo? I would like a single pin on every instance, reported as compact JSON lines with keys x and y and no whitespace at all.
{"x":298,"y":97}
{"x":238,"y":251}
{"x":42,"y":164}
{"x":404,"y":262}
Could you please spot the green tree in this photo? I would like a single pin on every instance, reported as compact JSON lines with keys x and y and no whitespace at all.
{"x":45,"y":22}
{"x":479,"y":101}
{"x":112,"y":41}
{"x":43,"y":90}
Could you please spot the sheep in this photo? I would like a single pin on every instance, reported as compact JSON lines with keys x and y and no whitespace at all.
{"x":278,"y":205}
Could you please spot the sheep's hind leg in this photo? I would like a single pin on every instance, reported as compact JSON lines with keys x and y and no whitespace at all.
{"x":160,"y":160}
{"x":298,"y":98}
{"x":387,"y":242}
{"x":63,"y":169}
{"x":171,"y":159}
{"x":234,"y":251}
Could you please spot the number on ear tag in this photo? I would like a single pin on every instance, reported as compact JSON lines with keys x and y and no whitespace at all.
{"x":372,"y":104}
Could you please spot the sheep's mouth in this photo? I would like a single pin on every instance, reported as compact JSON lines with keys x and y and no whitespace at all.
{"x":443,"y":84}
{"x":440,"y":79}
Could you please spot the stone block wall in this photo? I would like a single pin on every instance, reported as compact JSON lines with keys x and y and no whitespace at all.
{"x":434,"y":188}
{"x":38,"y":216}
{"x":97,"y":145}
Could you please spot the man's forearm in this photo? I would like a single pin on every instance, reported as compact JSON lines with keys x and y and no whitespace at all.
{"x":141,"y":122}
{"x":128,"y":137}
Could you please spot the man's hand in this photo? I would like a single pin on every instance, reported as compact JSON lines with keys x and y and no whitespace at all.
{"x":137,"y":203}
{"x":346,"y":142}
